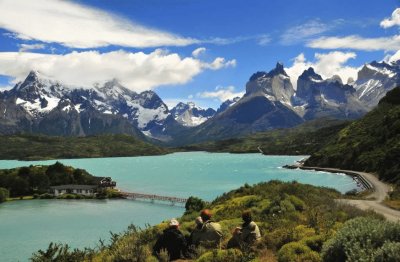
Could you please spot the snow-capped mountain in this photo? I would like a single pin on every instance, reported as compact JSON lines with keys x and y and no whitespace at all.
{"x":42,"y":105}
{"x":188,"y":114}
{"x":41,"y":98}
{"x":316,"y":97}
{"x":375,"y":80}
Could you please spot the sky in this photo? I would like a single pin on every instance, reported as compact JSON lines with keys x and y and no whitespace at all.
{"x":192,"y":50}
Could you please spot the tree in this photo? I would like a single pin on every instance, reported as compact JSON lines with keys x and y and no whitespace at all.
{"x":194,"y":204}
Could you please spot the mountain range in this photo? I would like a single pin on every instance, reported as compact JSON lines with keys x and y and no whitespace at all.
{"x":45,"y":106}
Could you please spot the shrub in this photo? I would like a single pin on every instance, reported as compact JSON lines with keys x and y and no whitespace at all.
{"x":61,"y":252}
{"x":4,"y":194}
{"x":296,"y":251}
{"x":388,"y":252}
{"x":361,"y":239}
{"x":46,"y":196}
{"x":230,"y":255}
{"x":314,"y":242}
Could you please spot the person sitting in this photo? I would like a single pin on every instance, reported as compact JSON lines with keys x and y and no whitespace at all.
{"x":246,"y":235}
{"x":173,"y":241}
{"x":210,"y":234}
{"x":194,"y":237}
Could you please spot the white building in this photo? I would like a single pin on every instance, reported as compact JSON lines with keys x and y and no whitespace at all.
{"x":87,"y":190}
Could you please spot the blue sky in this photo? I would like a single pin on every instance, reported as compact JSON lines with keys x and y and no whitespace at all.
{"x":149,"y":44}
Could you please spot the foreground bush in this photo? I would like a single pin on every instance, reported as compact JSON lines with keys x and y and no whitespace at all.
{"x":296,"y":251}
{"x":230,"y":255}
{"x":364,"y":239}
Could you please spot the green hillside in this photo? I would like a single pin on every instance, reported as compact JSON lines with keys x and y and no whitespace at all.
{"x":35,"y":147}
{"x":369,"y":144}
{"x":301,"y":140}
{"x":297,"y":222}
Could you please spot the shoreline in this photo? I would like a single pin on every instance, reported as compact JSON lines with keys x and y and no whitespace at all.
{"x":373,"y":201}
{"x":366,"y":184}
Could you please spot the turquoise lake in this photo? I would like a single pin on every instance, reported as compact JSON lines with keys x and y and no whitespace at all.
{"x":26,"y":226}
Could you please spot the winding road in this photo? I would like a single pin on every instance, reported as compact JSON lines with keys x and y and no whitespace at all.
{"x":374,"y":200}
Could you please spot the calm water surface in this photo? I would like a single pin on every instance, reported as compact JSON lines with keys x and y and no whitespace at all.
{"x":26,"y":226}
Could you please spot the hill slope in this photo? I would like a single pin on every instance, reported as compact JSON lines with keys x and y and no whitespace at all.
{"x":33,"y":147}
{"x":370,"y":144}
{"x":304,"y":139}
{"x":295,"y":220}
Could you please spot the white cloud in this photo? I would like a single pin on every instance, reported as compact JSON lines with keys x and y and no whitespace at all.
{"x":137,"y":71}
{"x":357,"y":42}
{"x":303,"y":32}
{"x":27,"y":47}
{"x":219,"y":63}
{"x":79,"y":26}
{"x":326,"y":65}
{"x":221,"y":93}
{"x":263,"y":40}
{"x":198,"y":51}
{"x":393,"y":20}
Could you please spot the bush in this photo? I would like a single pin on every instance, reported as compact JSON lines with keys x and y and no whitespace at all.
{"x":4,"y":194}
{"x":230,"y":255}
{"x":362,"y":239}
{"x":46,"y":196}
{"x":296,"y":251}
{"x":315,"y":243}
{"x":61,"y":252}
{"x":388,"y":252}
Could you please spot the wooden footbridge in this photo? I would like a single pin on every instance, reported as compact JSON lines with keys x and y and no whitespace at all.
{"x":152,"y":198}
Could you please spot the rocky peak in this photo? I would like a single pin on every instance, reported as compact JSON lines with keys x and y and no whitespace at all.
{"x":149,"y":99}
{"x":310,"y":74}
{"x":188,"y":114}
{"x":226,"y":104}
{"x":278,"y":70}
{"x":334,"y":79}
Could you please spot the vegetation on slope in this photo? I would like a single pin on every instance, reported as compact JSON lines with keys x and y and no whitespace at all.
{"x":370,"y":144}
{"x":34,"y":147}
{"x":295,"y":220}
{"x":300,"y":140}
{"x":30,"y":180}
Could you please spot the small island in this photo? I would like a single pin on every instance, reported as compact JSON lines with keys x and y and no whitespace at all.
{"x":54,"y":181}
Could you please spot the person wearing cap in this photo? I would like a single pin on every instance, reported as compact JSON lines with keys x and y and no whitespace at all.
{"x":173,"y":241}
{"x":194,"y":238}
{"x":246,"y":235}
{"x":210,"y":234}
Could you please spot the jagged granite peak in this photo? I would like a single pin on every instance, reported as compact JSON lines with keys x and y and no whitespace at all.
{"x":226,"y":104}
{"x":278,"y":70}
{"x":274,"y":85}
{"x":316,"y":98}
{"x":188,"y":114}
{"x":310,"y":74}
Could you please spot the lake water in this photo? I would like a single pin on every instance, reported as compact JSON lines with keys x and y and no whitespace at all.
{"x":26,"y":226}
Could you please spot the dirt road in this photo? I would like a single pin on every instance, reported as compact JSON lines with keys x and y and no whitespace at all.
{"x":374,"y":200}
